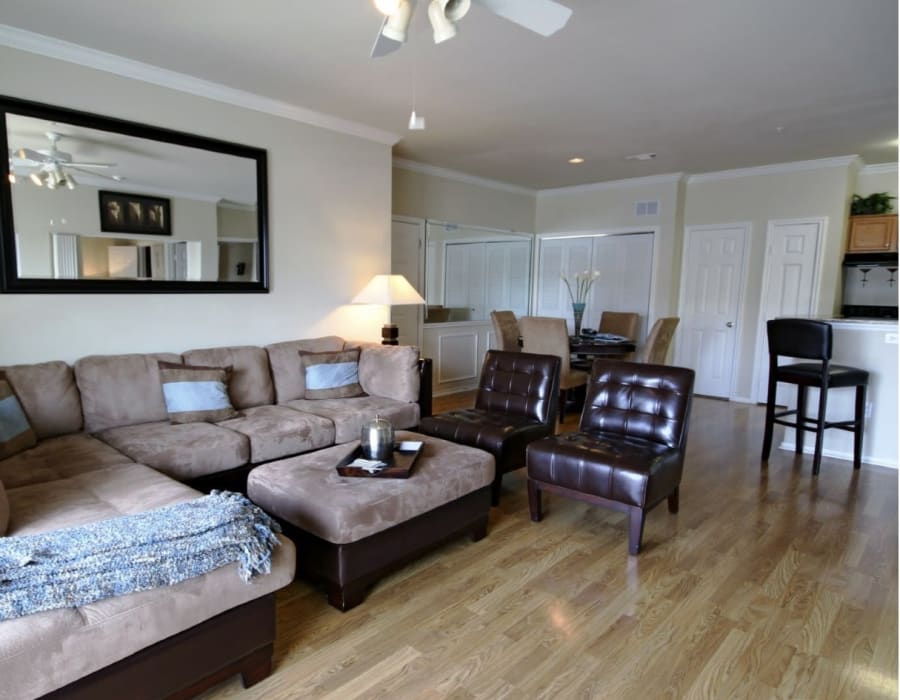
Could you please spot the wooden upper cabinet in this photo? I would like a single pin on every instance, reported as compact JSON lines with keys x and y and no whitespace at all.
{"x":875,"y":233}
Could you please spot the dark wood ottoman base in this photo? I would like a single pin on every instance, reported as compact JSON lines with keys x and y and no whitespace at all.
{"x":348,"y":570}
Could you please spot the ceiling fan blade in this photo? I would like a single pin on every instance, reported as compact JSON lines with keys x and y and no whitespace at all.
{"x":95,"y":174}
{"x":90,"y":165}
{"x":383,"y":46}
{"x":28,"y":154}
{"x":544,"y":17}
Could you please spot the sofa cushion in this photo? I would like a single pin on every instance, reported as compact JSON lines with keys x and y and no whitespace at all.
{"x":49,"y":396}
{"x":251,"y":382}
{"x":331,"y":375}
{"x":16,"y":434}
{"x":349,"y":415}
{"x":185,"y":451}
{"x":47,"y":650}
{"x":278,"y":431}
{"x":287,"y":373}
{"x":59,"y":458}
{"x":4,"y":510}
{"x":196,"y":394}
{"x":121,"y":389}
{"x":391,"y":371}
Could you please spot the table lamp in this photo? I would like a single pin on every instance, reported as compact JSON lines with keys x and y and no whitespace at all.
{"x":389,"y":290}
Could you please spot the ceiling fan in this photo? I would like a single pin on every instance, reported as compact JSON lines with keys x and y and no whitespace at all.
{"x":544,"y":17}
{"x":54,"y":167}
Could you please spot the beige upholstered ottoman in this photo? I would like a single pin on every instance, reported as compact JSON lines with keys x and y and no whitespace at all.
{"x":350,"y":531}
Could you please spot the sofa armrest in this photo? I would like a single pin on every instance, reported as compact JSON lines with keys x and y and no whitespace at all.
{"x":425,"y":396}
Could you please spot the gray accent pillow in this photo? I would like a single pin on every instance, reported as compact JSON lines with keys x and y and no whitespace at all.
{"x":16,"y":434}
{"x":331,"y":375}
{"x":196,"y":394}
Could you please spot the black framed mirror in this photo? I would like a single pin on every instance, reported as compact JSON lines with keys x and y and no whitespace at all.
{"x":94,"y":204}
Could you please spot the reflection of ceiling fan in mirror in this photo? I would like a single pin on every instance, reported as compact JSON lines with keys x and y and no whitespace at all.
{"x":544,"y":17}
{"x":54,"y":167}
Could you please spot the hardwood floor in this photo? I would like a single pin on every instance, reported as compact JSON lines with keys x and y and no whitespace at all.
{"x":768,"y":584}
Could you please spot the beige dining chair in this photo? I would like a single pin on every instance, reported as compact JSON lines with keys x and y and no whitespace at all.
{"x":506,"y":330}
{"x":659,"y":339}
{"x":550,"y":336}
{"x":620,"y":323}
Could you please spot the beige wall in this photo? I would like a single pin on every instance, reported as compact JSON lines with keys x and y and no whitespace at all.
{"x":329,"y":193}
{"x":875,"y":179}
{"x":431,"y":197}
{"x":759,"y":199}
{"x":611,"y":208}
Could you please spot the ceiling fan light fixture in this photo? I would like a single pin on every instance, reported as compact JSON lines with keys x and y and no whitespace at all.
{"x":70,"y":181}
{"x":398,"y":22}
{"x":387,"y":7}
{"x":36,"y":179}
{"x":416,"y":122}
{"x":455,"y":10}
{"x":443,"y":27}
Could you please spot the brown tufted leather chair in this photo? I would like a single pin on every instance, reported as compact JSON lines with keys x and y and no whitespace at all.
{"x":629,"y":451}
{"x":516,"y":404}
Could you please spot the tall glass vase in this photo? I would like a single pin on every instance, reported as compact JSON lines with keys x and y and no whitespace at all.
{"x":578,"y":314}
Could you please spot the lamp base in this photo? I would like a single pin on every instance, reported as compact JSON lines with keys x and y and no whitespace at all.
{"x":390,"y":334}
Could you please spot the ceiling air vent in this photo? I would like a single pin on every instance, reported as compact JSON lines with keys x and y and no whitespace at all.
{"x":650,"y":208}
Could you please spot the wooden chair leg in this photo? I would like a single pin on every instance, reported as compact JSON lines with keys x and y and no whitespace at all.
{"x":801,"y":419}
{"x":534,"y":501}
{"x":859,"y":425}
{"x":496,"y":486}
{"x":820,"y":429}
{"x":673,"y":501}
{"x":635,"y":529}
{"x":770,"y":416}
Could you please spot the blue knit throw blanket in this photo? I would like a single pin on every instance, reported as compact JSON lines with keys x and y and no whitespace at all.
{"x":79,"y":565}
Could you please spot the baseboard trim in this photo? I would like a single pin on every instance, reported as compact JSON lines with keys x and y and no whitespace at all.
{"x":834,"y":454}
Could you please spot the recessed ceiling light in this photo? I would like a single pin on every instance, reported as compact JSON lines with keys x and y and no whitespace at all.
{"x":641,"y":156}
{"x":576,"y":160}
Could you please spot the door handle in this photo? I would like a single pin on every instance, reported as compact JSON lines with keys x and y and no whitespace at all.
{"x":729,"y":324}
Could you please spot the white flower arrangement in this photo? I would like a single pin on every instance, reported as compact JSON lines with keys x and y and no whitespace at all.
{"x":583,"y":282}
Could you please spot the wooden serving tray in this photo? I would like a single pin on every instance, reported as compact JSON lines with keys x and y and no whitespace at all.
{"x":399,"y":466}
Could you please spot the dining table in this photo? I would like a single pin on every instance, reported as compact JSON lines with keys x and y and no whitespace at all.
{"x":600,"y":345}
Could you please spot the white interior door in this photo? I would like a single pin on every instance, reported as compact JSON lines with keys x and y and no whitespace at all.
{"x":711,"y":286}
{"x":407,"y":259}
{"x":789,"y":278}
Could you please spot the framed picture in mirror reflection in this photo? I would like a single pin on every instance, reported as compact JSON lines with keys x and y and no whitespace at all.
{"x":121,"y":212}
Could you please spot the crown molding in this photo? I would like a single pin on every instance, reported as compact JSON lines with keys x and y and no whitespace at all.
{"x":42,"y":45}
{"x":425,"y":169}
{"x":879,"y":169}
{"x":665,"y":179}
{"x":776,"y":168}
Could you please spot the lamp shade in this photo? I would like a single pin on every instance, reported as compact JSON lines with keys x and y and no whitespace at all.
{"x":390,"y":290}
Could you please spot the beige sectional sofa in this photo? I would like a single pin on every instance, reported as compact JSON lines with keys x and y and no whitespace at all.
{"x":106,"y":448}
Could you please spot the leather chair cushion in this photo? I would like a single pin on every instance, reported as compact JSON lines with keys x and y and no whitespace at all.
{"x":810,"y":373}
{"x":502,"y":434}
{"x":628,"y":470}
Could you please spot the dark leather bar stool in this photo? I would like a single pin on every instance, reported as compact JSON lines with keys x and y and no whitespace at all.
{"x":810,"y":340}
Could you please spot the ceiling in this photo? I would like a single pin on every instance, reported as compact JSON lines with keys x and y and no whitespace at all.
{"x":705,"y":84}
